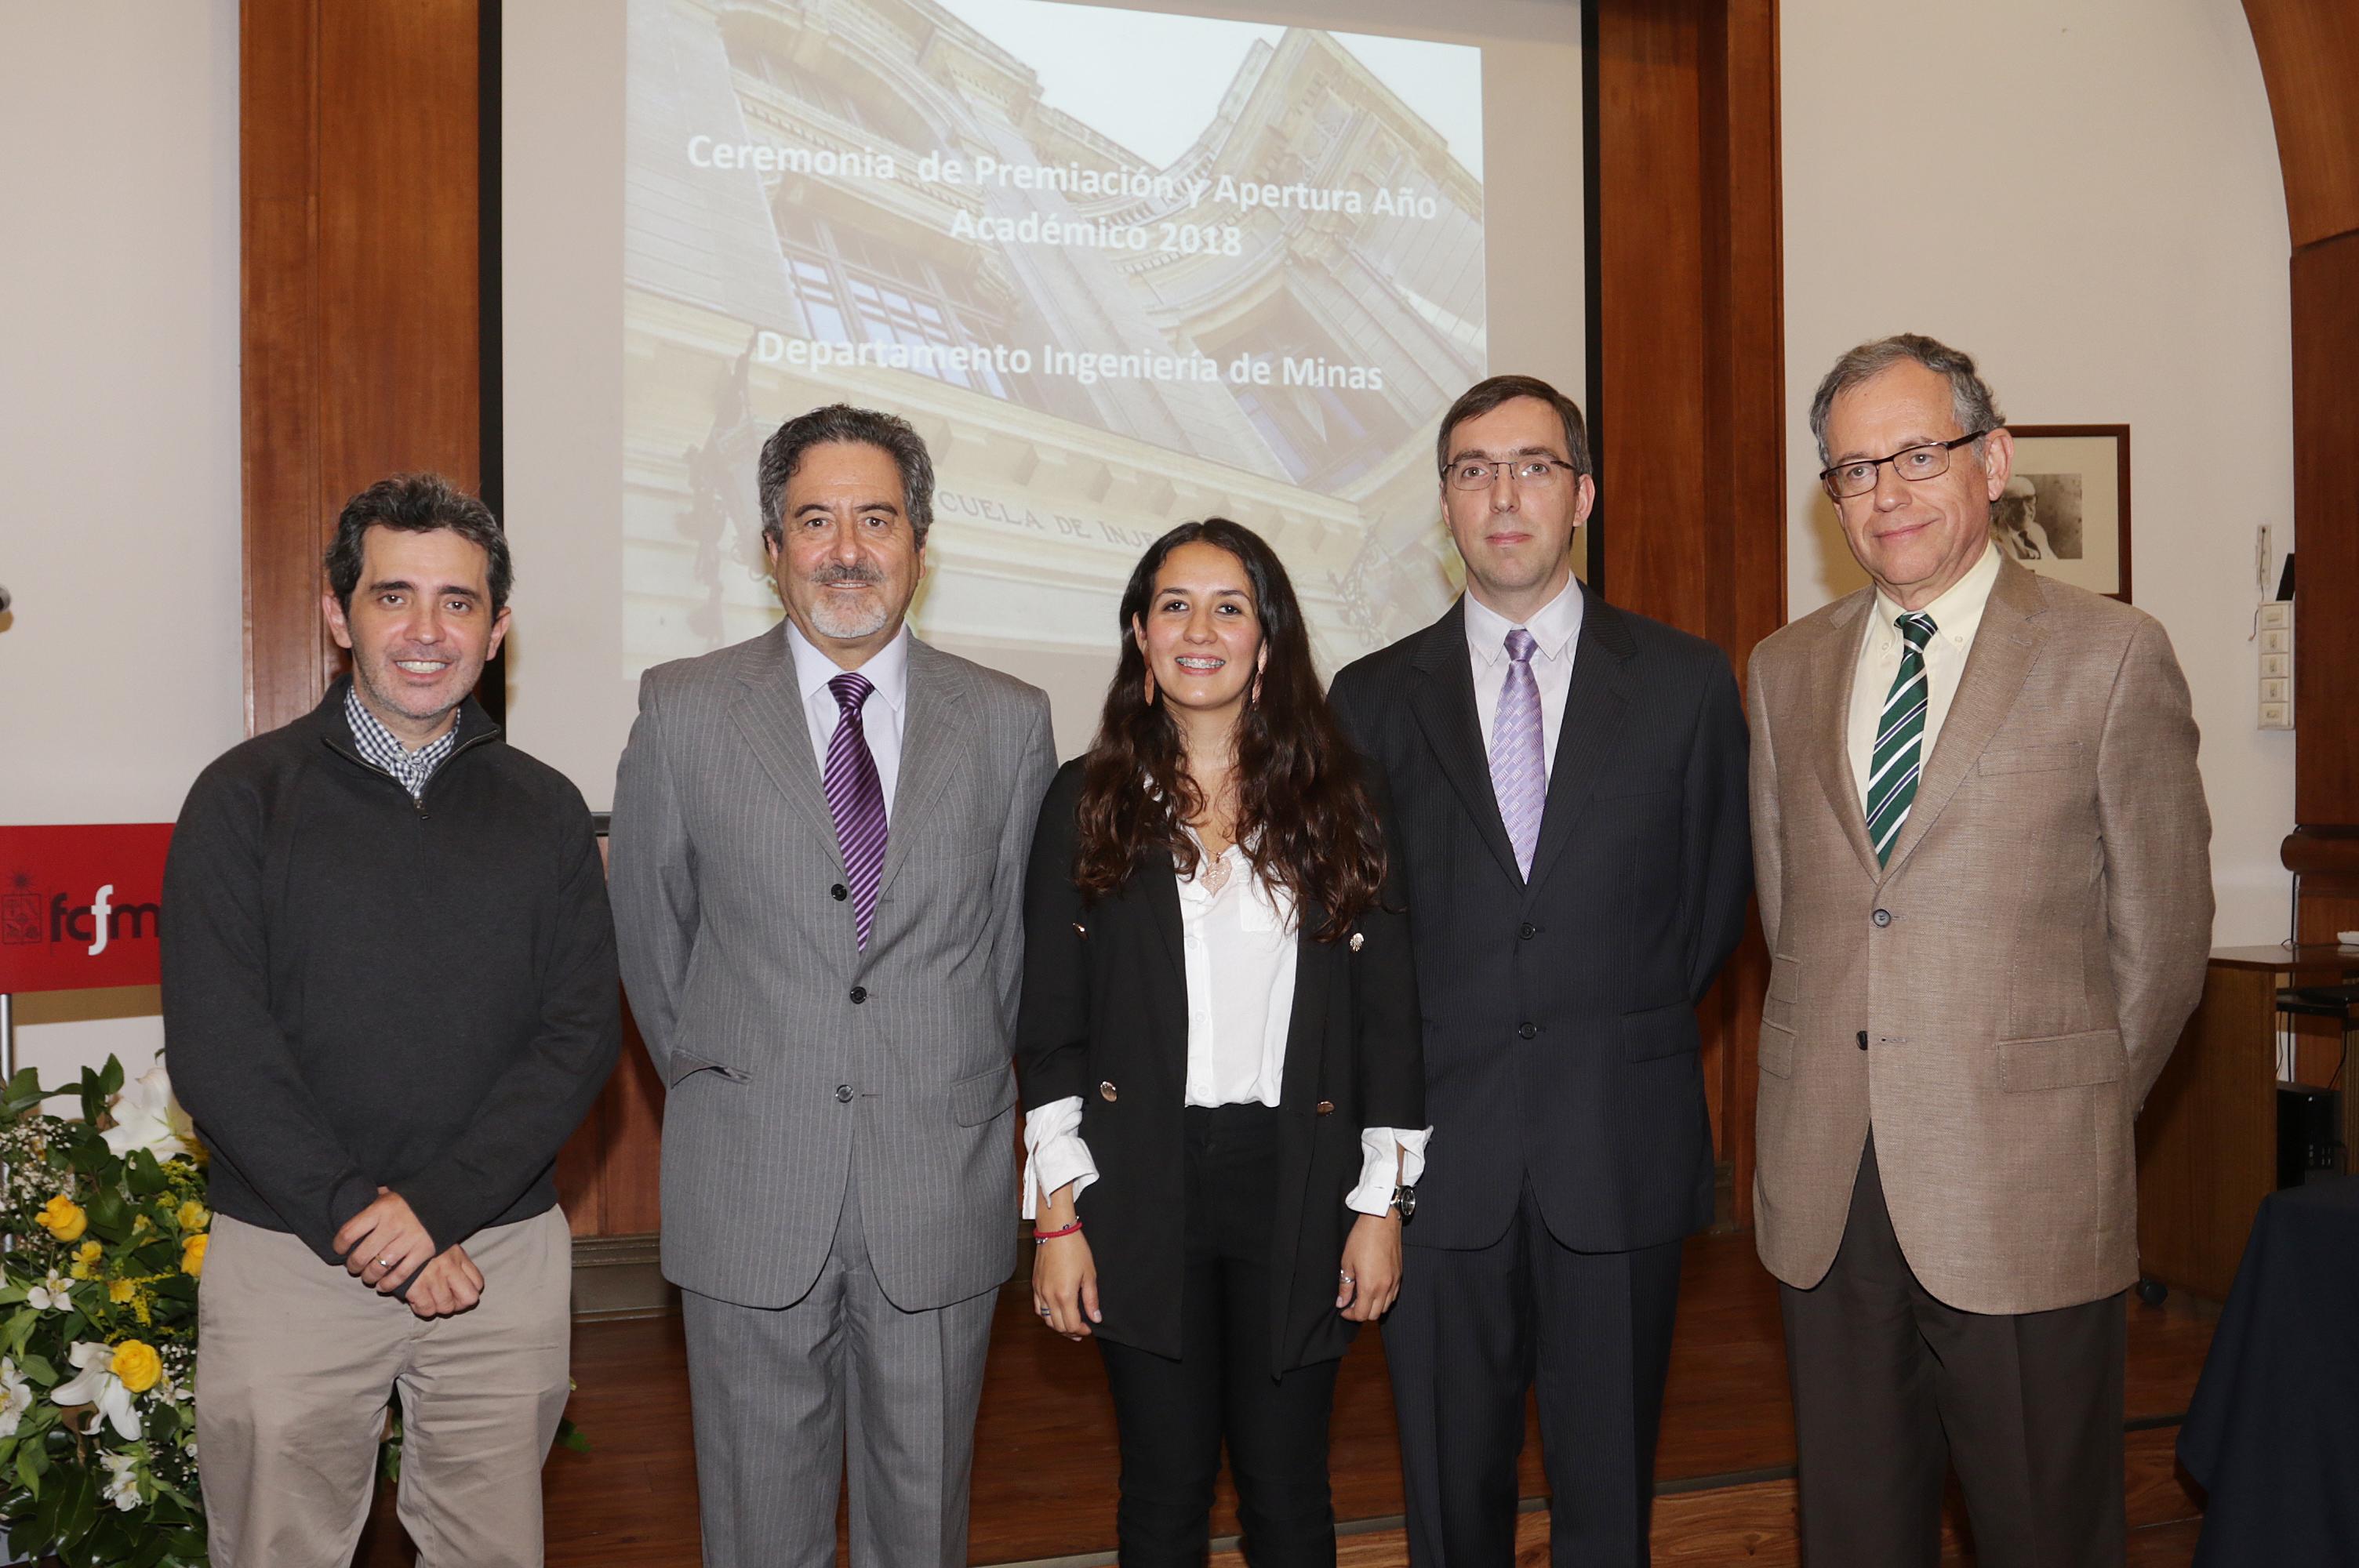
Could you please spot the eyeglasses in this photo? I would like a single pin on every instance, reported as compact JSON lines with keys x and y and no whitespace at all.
{"x":1914,"y":464}
{"x":1476,"y":473}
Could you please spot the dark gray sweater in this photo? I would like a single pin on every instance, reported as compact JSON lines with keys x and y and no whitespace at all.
{"x":363,"y":992}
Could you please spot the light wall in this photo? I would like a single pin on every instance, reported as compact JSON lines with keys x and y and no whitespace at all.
{"x":2084,"y":195}
{"x":121,"y":667}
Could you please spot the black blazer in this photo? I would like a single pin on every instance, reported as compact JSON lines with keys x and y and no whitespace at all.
{"x":1104,"y":1016}
{"x":1561,"y":1041}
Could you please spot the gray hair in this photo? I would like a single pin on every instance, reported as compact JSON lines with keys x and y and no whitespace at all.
{"x":782,"y":454}
{"x":1969,"y":397}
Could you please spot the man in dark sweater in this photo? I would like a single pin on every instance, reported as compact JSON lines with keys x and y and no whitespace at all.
{"x":389,"y":998}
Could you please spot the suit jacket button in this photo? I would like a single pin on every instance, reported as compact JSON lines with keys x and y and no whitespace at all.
{"x":859,"y":995}
{"x":843,"y":1094}
{"x":1527,"y":931}
{"x":1106,"y":1091}
{"x":839,"y":893}
{"x":1326,"y":1107}
{"x":1882,"y":917}
{"x":1528,"y":1030}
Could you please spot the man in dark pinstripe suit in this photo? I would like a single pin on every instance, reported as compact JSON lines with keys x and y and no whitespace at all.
{"x":818,"y":848}
{"x":1569,"y":783}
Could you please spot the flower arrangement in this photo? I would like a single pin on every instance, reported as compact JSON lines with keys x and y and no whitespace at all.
{"x":106,"y":1223}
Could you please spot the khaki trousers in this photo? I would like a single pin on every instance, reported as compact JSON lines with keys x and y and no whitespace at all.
{"x":297,"y":1361}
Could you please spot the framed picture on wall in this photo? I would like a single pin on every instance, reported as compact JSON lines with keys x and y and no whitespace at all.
{"x":2066,"y":512}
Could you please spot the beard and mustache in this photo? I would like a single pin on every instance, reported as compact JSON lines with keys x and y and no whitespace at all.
{"x":835,"y":616}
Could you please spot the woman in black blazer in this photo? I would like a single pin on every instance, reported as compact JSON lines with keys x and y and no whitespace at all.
{"x":1219,"y":1046}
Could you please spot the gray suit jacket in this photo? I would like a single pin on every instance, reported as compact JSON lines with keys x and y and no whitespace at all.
{"x":775,"y":1035}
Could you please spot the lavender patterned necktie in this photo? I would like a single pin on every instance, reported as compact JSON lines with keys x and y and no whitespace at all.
{"x":1519,"y":764}
{"x":855,"y":798}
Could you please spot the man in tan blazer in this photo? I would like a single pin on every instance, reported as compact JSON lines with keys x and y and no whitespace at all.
{"x":1981,"y":850}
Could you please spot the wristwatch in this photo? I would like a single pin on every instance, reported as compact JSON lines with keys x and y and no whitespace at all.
{"x":1405,"y":1200}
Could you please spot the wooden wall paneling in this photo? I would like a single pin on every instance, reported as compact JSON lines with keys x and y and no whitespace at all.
{"x":286,"y":646}
{"x":2310,"y":61}
{"x":1691,"y":401}
{"x":1651,"y":414}
{"x":2326,"y":869}
{"x":2207,"y":1137}
{"x":1745,"y":386}
{"x":400,"y":237}
{"x":2308,"y":53}
{"x":2325,"y":299}
{"x":606,"y":1173}
{"x":1649,"y":247}
{"x":359,"y":179}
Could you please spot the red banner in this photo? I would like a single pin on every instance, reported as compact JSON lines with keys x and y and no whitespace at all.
{"x":81,"y":906}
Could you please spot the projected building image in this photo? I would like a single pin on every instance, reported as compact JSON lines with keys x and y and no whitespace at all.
{"x":1255,"y":300}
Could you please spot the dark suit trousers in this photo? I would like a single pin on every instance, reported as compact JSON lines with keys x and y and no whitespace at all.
{"x":1473,"y":1331}
{"x":1891,"y":1386}
{"x":1173,"y":1415}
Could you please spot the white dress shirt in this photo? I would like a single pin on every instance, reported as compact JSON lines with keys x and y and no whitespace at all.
{"x":888,"y":670}
{"x":1556,"y":632}
{"x":1957,"y":615}
{"x":1238,"y":942}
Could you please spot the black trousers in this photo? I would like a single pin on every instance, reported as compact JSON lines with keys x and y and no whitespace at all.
{"x":1174,"y":1415}
{"x":1892,"y":1386}
{"x":1473,"y":1331}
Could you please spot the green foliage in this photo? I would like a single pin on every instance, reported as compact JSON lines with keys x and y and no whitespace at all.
{"x":97,"y":1304}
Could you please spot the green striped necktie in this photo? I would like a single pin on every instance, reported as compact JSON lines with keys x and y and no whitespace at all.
{"x":1899,"y":753}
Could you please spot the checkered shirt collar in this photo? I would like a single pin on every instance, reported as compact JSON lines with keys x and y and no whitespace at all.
{"x":382,"y":750}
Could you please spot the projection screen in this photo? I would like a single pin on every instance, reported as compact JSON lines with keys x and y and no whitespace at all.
{"x":1122,"y":267}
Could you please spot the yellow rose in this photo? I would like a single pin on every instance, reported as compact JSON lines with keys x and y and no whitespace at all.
{"x":192,"y":1255}
{"x":137,"y":1363}
{"x":193,"y":1216}
{"x":63,"y":1219}
{"x":120,"y":1291}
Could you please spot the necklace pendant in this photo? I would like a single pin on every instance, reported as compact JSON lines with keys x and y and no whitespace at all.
{"x":1215,"y":874}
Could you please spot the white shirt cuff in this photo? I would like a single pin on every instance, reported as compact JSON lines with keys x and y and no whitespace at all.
{"x":1389,"y":1157}
{"x":1054,"y":1153}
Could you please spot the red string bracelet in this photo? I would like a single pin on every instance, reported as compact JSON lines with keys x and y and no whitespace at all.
{"x":1041,"y":1235}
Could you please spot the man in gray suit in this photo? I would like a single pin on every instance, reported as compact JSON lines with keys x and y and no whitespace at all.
{"x":819,"y":849}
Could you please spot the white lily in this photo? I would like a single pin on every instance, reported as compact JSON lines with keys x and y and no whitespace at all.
{"x":99,"y":1387}
{"x":146,"y":1117}
{"x":122,"y":1480}
{"x":52,"y":1295}
{"x":16,"y":1397}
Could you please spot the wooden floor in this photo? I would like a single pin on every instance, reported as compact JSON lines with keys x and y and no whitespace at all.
{"x":1045,"y":1462}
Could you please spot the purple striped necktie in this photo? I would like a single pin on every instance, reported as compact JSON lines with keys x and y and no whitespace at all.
{"x":855,"y":798}
{"x":1519,"y":764}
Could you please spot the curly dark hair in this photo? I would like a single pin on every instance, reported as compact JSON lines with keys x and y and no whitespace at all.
{"x":415,"y":504}
{"x":1303,"y":814}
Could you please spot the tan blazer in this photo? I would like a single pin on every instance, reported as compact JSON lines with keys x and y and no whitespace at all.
{"x":1997,"y":1000}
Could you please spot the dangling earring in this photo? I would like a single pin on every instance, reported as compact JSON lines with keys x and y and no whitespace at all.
{"x":1151,"y":688}
{"x":1253,"y":697}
